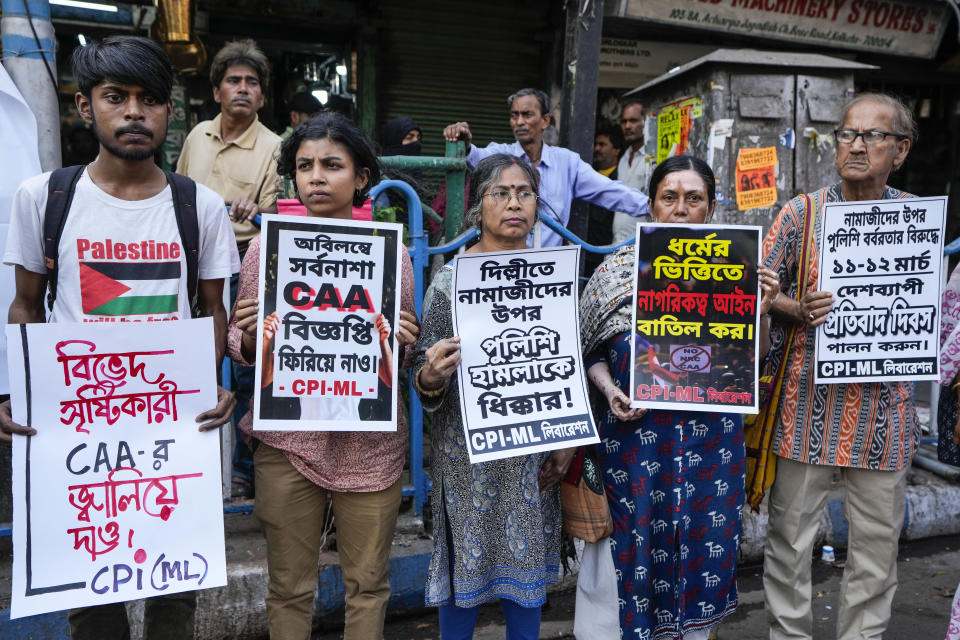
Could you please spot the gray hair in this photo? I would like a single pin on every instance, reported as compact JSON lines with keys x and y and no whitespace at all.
{"x":903,"y":121}
{"x":485,"y":175}
{"x":539,"y":94}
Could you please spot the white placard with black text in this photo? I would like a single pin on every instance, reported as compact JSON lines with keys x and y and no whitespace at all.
{"x":522,"y":384}
{"x":882,"y":260}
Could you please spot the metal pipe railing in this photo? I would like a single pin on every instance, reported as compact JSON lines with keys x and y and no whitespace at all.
{"x":419,"y":257}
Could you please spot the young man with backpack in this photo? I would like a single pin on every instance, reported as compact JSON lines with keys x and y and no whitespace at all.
{"x":120,"y":240}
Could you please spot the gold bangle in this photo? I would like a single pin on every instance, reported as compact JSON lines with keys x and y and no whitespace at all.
{"x":426,"y":393}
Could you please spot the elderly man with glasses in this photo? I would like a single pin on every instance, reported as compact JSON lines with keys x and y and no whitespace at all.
{"x":868,"y":431}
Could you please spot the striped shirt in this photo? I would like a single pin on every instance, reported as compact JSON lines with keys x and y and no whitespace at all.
{"x":863,"y":426}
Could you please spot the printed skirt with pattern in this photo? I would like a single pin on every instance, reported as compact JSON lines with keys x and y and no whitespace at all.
{"x":675,"y":482}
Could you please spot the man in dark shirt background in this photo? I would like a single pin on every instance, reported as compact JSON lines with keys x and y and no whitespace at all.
{"x":607,"y":146}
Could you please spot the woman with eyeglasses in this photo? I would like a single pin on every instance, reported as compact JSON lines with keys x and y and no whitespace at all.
{"x":866,"y":431}
{"x":497,"y":523}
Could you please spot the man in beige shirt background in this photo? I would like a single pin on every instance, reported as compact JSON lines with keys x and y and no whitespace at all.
{"x":236,"y":156}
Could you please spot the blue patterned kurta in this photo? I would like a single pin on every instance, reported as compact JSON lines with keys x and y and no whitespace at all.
{"x":675,"y":483}
{"x":495,"y":534}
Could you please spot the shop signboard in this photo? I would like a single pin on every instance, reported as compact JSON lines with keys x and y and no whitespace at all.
{"x":893,"y":27}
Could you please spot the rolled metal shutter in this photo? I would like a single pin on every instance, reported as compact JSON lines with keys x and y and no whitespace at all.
{"x":442,"y":62}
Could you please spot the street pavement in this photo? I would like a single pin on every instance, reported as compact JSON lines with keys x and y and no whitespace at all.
{"x":928,"y":572}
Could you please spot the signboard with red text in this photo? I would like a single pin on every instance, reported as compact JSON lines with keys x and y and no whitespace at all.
{"x":696,"y":330}
{"x":117,"y":497}
{"x":329,"y":303}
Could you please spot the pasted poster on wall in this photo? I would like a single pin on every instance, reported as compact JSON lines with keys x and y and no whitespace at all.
{"x":756,"y":178}
{"x":522,"y":382}
{"x":882,"y":261}
{"x":696,"y":306}
{"x":117,"y":497}
{"x":673,"y":127}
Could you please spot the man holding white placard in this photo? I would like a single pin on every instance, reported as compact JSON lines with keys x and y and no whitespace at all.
{"x":124,"y":253}
{"x":868,"y":430}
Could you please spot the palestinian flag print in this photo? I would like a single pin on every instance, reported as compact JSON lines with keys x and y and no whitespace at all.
{"x":129,"y":288}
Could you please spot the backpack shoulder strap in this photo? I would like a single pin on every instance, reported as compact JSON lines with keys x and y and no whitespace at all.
{"x":184,"y":192}
{"x":60,"y":189}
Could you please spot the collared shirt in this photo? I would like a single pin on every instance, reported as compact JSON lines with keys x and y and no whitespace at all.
{"x":242,"y":168}
{"x":563,"y":177}
{"x":635,"y":174}
{"x":864,"y":426}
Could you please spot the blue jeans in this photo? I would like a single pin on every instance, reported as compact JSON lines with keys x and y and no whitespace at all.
{"x":523,"y":623}
{"x":241,"y":383}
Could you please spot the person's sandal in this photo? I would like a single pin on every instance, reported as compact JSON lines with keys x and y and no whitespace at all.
{"x":241,"y":488}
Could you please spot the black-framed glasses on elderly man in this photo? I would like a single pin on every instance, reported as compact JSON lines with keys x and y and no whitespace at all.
{"x":847,"y":136}
{"x":502,"y":196}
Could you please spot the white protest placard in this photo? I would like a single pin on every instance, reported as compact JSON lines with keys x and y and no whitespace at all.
{"x":882,"y":261}
{"x":329,"y":287}
{"x":117,"y":497}
{"x":522,"y":383}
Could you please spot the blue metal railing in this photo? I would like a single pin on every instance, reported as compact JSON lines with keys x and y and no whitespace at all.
{"x":952,"y":248}
{"x":420,"y":481}
{"x":420,"y":255}
{"x":569,"y":236}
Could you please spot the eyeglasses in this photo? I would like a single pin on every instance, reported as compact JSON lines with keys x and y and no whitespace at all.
{"x":502,"y":196}
{"x":847,"y":136}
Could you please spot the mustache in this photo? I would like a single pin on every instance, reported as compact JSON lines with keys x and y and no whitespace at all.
{"x":133,"y":128}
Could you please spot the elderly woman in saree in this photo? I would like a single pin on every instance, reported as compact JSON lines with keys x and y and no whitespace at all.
{"x":673,"y":553}
{"x":497,"y":529}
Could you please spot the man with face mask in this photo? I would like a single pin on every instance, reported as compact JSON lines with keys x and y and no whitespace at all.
{"x":303,"y":106}
{"x":401,"y":137}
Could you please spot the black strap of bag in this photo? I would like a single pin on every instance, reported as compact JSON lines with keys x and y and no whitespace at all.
{"x":60,"y":190}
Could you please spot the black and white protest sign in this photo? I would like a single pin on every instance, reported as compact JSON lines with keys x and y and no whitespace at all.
{"x":882,"y":261}
{"x":326,"y":358}
{"x":522,"y":384}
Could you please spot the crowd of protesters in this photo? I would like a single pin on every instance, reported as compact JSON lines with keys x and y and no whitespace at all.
{"x":498,"y":524}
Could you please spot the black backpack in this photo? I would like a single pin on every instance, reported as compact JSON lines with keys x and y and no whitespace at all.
{"x":63,"y":183}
